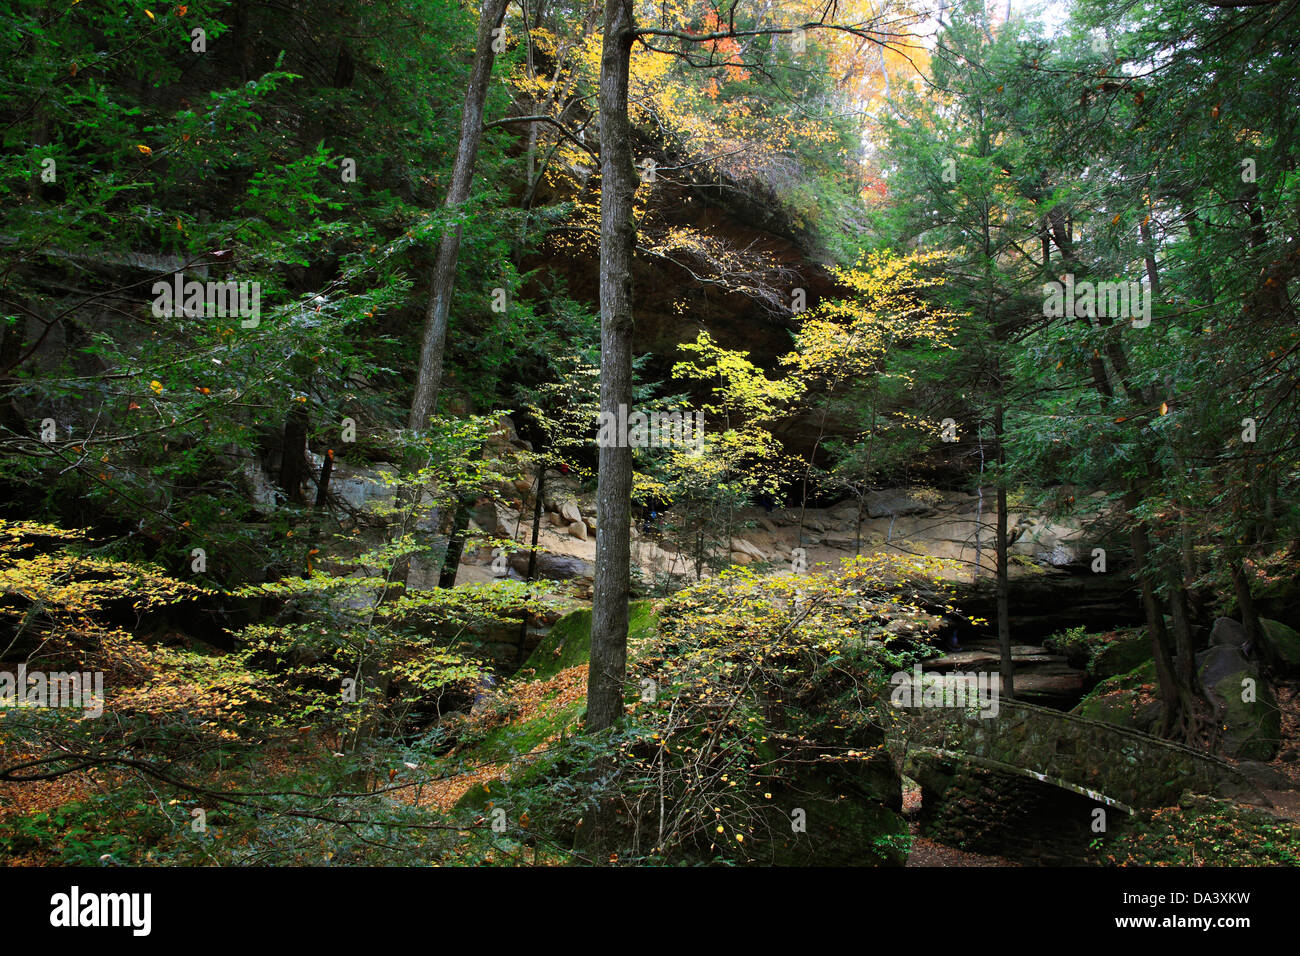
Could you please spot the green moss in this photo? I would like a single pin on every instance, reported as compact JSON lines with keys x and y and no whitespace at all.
{"x":1119,"y":700}
{"x":1129,"y":651}
{"x":1201,"y":831}
{"x":1283,"y":643}
{"x":1103,"y":655}
{"x":569,"y":641}
{"x":1252,"y":730}
{"x":1131,"y":680}
{"x":567,"y":645}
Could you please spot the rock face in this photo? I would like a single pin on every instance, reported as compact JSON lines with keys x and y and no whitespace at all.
{"x":1044,"y":604}
{"x":362,"y":488}
{"x":1248,"y":710}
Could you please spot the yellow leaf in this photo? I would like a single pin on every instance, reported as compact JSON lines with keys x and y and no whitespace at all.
{"x":144,"y":149}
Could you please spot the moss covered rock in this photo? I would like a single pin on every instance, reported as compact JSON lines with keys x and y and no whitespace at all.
{"x":1251,"y":721}
{"x":1128,"y":699}
{"x":569,"y":641}
{"x":1128,"y":651}
{"x":1104,"y":654}
{"x":1281,"y":645}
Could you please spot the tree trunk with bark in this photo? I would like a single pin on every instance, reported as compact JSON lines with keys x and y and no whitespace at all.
{"x":442,"y":281}
{"x":609,"y":614}
{"x":1006,"y":666}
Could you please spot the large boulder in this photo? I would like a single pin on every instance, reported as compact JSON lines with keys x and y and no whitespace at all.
{"x":741,"y":546}
{"x":1248,"y":711}
{"x":1228,"y":633}
{"x":1127,"y":700}
{"x":832,"y":813}
{"x":1281,"y":645}
{"x":553,"y":567}
{"x":844,"y":511}
{"x":559,"y":490}
{"x":1122,"y":655}
{"x":892,"y":504}
{"x":484,"y":516}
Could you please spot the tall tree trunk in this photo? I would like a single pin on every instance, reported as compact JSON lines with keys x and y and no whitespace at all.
{"x":609,"y":614}
{"x":455,"y":545}
{"x":1246,"y":605}
{"x":1165,"y":675}
{"x":293,"y":450}
{"x":1006,"y":666}
{"x":532,"y":556}
{"x":443,"y":278}
{"x":1236,"y":554}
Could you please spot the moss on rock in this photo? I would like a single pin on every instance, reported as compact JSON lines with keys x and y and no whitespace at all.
{"x":1282,"y":644}
{"x":1126,"y":700}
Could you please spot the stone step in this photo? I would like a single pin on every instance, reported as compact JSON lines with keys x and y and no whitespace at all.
{"x":991,"y":647}
{"x":1053,"y":681}
{"x":979,"y":659}
{"x":1050,"y":683}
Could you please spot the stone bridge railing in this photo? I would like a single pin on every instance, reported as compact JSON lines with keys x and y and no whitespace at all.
{"x":1126,"y":767}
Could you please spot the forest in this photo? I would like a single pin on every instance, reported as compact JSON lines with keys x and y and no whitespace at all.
{"x":705,"y":433}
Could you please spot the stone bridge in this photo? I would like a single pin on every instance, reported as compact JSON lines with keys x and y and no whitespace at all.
{"x":1039,"y":785}
{"x":1113,"y":765}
